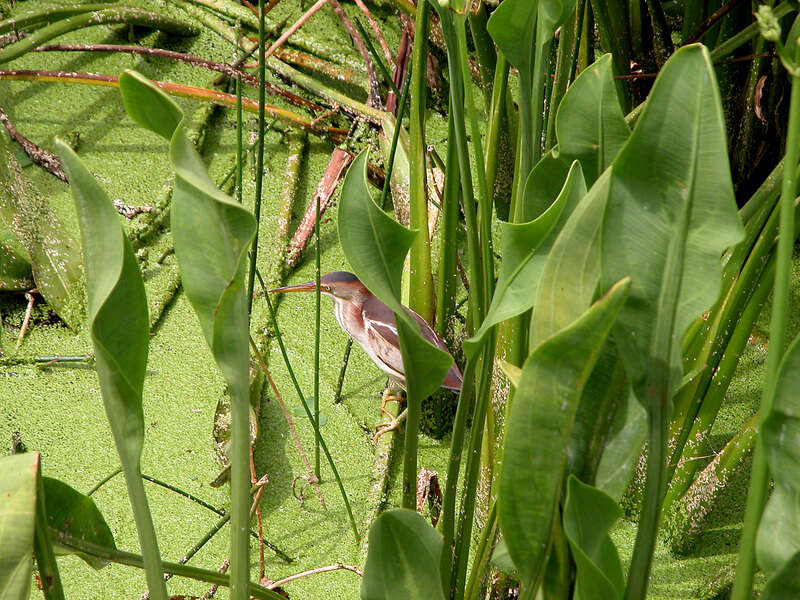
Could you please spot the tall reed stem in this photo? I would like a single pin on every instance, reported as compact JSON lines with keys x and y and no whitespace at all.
{"x":759,"y":478}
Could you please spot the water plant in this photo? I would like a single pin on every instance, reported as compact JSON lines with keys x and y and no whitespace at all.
{"x":597,"y":245}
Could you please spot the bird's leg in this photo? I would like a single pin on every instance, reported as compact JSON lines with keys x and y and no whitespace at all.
{"x":389,"y":395}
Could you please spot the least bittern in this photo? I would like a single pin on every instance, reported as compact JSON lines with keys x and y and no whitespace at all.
{"x":372,"y":324}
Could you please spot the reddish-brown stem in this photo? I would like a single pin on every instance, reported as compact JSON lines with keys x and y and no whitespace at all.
{"x":295,"y":26}
{"x":325,"y":188}
{"x":175,"y":89}
{"x":723,"y":10}
{"x":377,"y":30}
{"x":374,"y":98}
{"x":186,"y":58}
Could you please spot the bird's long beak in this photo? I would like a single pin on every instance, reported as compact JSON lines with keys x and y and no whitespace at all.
{"x":308,"y":286}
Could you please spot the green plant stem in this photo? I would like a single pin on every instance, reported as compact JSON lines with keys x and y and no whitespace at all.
{"x":496,"y":116}
{"x":759,"y":478}
{"x":483,"y":553}
{"x":47,"y":16}
{"x":240,"y":488}
{"x":748,"y":33}
{"x":484,"y":46}
{"x":302,"y":398}
{"x":317,"y":308}
{"x":376,"y":57}
{"x":420,"y":280}
{"x":104,"y":481}
{"x":337,"y":397}
{"x":151,"y":558}
{"x":401,"y":108}
{"x":135,"y":560}
{"x":43,"y":547}
{"x":130,"y":16}
{"x":472,"y":473}
{"x":564,"y":62}
{"x":259,"y":154}
{"x":448,"y":515}
{"x":239,"y":141}
{"x":448,"y":230}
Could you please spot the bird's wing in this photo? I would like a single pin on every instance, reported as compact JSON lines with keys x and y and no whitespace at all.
{"x":380,"y":321}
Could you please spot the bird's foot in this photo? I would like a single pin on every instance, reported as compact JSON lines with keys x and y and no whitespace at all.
{"x":394,"y":423}
{"x":391,"y":395}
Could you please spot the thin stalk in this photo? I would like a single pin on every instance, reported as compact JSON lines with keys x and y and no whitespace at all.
{"x":104,"y":481}
{"x":377,"y":57}
{"x":47,"y":16}
{"x":337,"y":397}
{"x":420,"y":280}
{"x":317,"y":308}
{"x":484,"y":46}
{"x":135,"y":560}
{"x":748,"y":33}
{"x":496,"y":115}
{"x":401,"y":108}
{"x":448,"y":251}
{"x":564,"y":62}
{"x":240,"y":488}
{"x":151,"y":558}
{"x":759,"y":479}
{"x":472,"y":474}
{"x":43,"y":547}
{"x":483,"y":553}
{"x":239,"y":141}
{"x":259,"y":154}
{"x":301,"y":396}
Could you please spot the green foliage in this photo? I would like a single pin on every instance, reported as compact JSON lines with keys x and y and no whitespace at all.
{"x":18,"y":476}
{"x":589,"y":514}
{"x":31,"y":232}
{"x":538,"y":430}
{"x":74,"y":514}
{"x":212,"y":234}
{"x":403,"y":559}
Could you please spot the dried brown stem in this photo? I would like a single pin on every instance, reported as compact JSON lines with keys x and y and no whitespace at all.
{"x":294,"y":27}
{"x":45,"y":159}
{"x":338,"y":162}
{"x":377,"y":30}
{"x":310,"y":473}
{"x":374,"y":97}
{"x":334,"y":567}
{"x":228,"y":70}
{"x":400,"y":69}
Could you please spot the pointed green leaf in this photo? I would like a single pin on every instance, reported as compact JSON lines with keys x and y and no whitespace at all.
{"x":572,"y":264}
{"x":589,"y":514}
{"x":18,"y":475}
{"x":590,"y":126}
{"x":513,"y":28}
{"x":54,"y":256}
{"x":543,"y":186}
{"x":72,"y":513}
{"x":403,"y":559}
{"x":376,"y":245}
{"x":118,"y":319}
{"x":524,"y":250}
{"x":785,"y":584}
{"x":671,"y":214}
{"x":538,"y":431}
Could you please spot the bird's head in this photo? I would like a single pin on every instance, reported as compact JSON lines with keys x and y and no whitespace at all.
{"x":337,"y":284}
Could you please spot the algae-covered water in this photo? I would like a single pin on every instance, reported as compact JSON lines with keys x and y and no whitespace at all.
{"x":58,"y":410}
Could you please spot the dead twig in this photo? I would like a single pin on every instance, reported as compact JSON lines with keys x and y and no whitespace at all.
{"x":334,"y":567}
{"x":213,"y":589}
{"x":338,"y":162}
{"x":41,"y":157}
{"x":311,"y":478}
{"x":377,"y":30}
{"x":294,"y":27}
{"x":26,"y":321}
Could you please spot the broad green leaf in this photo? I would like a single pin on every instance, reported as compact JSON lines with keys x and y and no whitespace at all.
{"x":513,"y":28}
{"x":543,"y":186}
{"x":671,"y":214}
{"x":118,"y":319}
{"x":590,"y":126}
{"x":18,"y":474}
{"x":778,"y":541}
{"x":623,"y":447}
{"x":511,"y":371}
{"x":119,"y":327}
{"x":54,"y":256}
{"x":402,"y":559}
{"x":15,"y":265}
{"x":572,"y":264}
{"x":524,"y":249}
{"x":212,"y":233}
{"x":785,"y":584}
{"x":538,"y":431}
{"x":502,"y":560}
{"x":589,"y":514}
{"x":376,"y":245}
{"x":70,"y":512}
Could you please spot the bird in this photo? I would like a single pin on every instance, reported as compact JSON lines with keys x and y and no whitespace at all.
{"x":370,"y":323}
